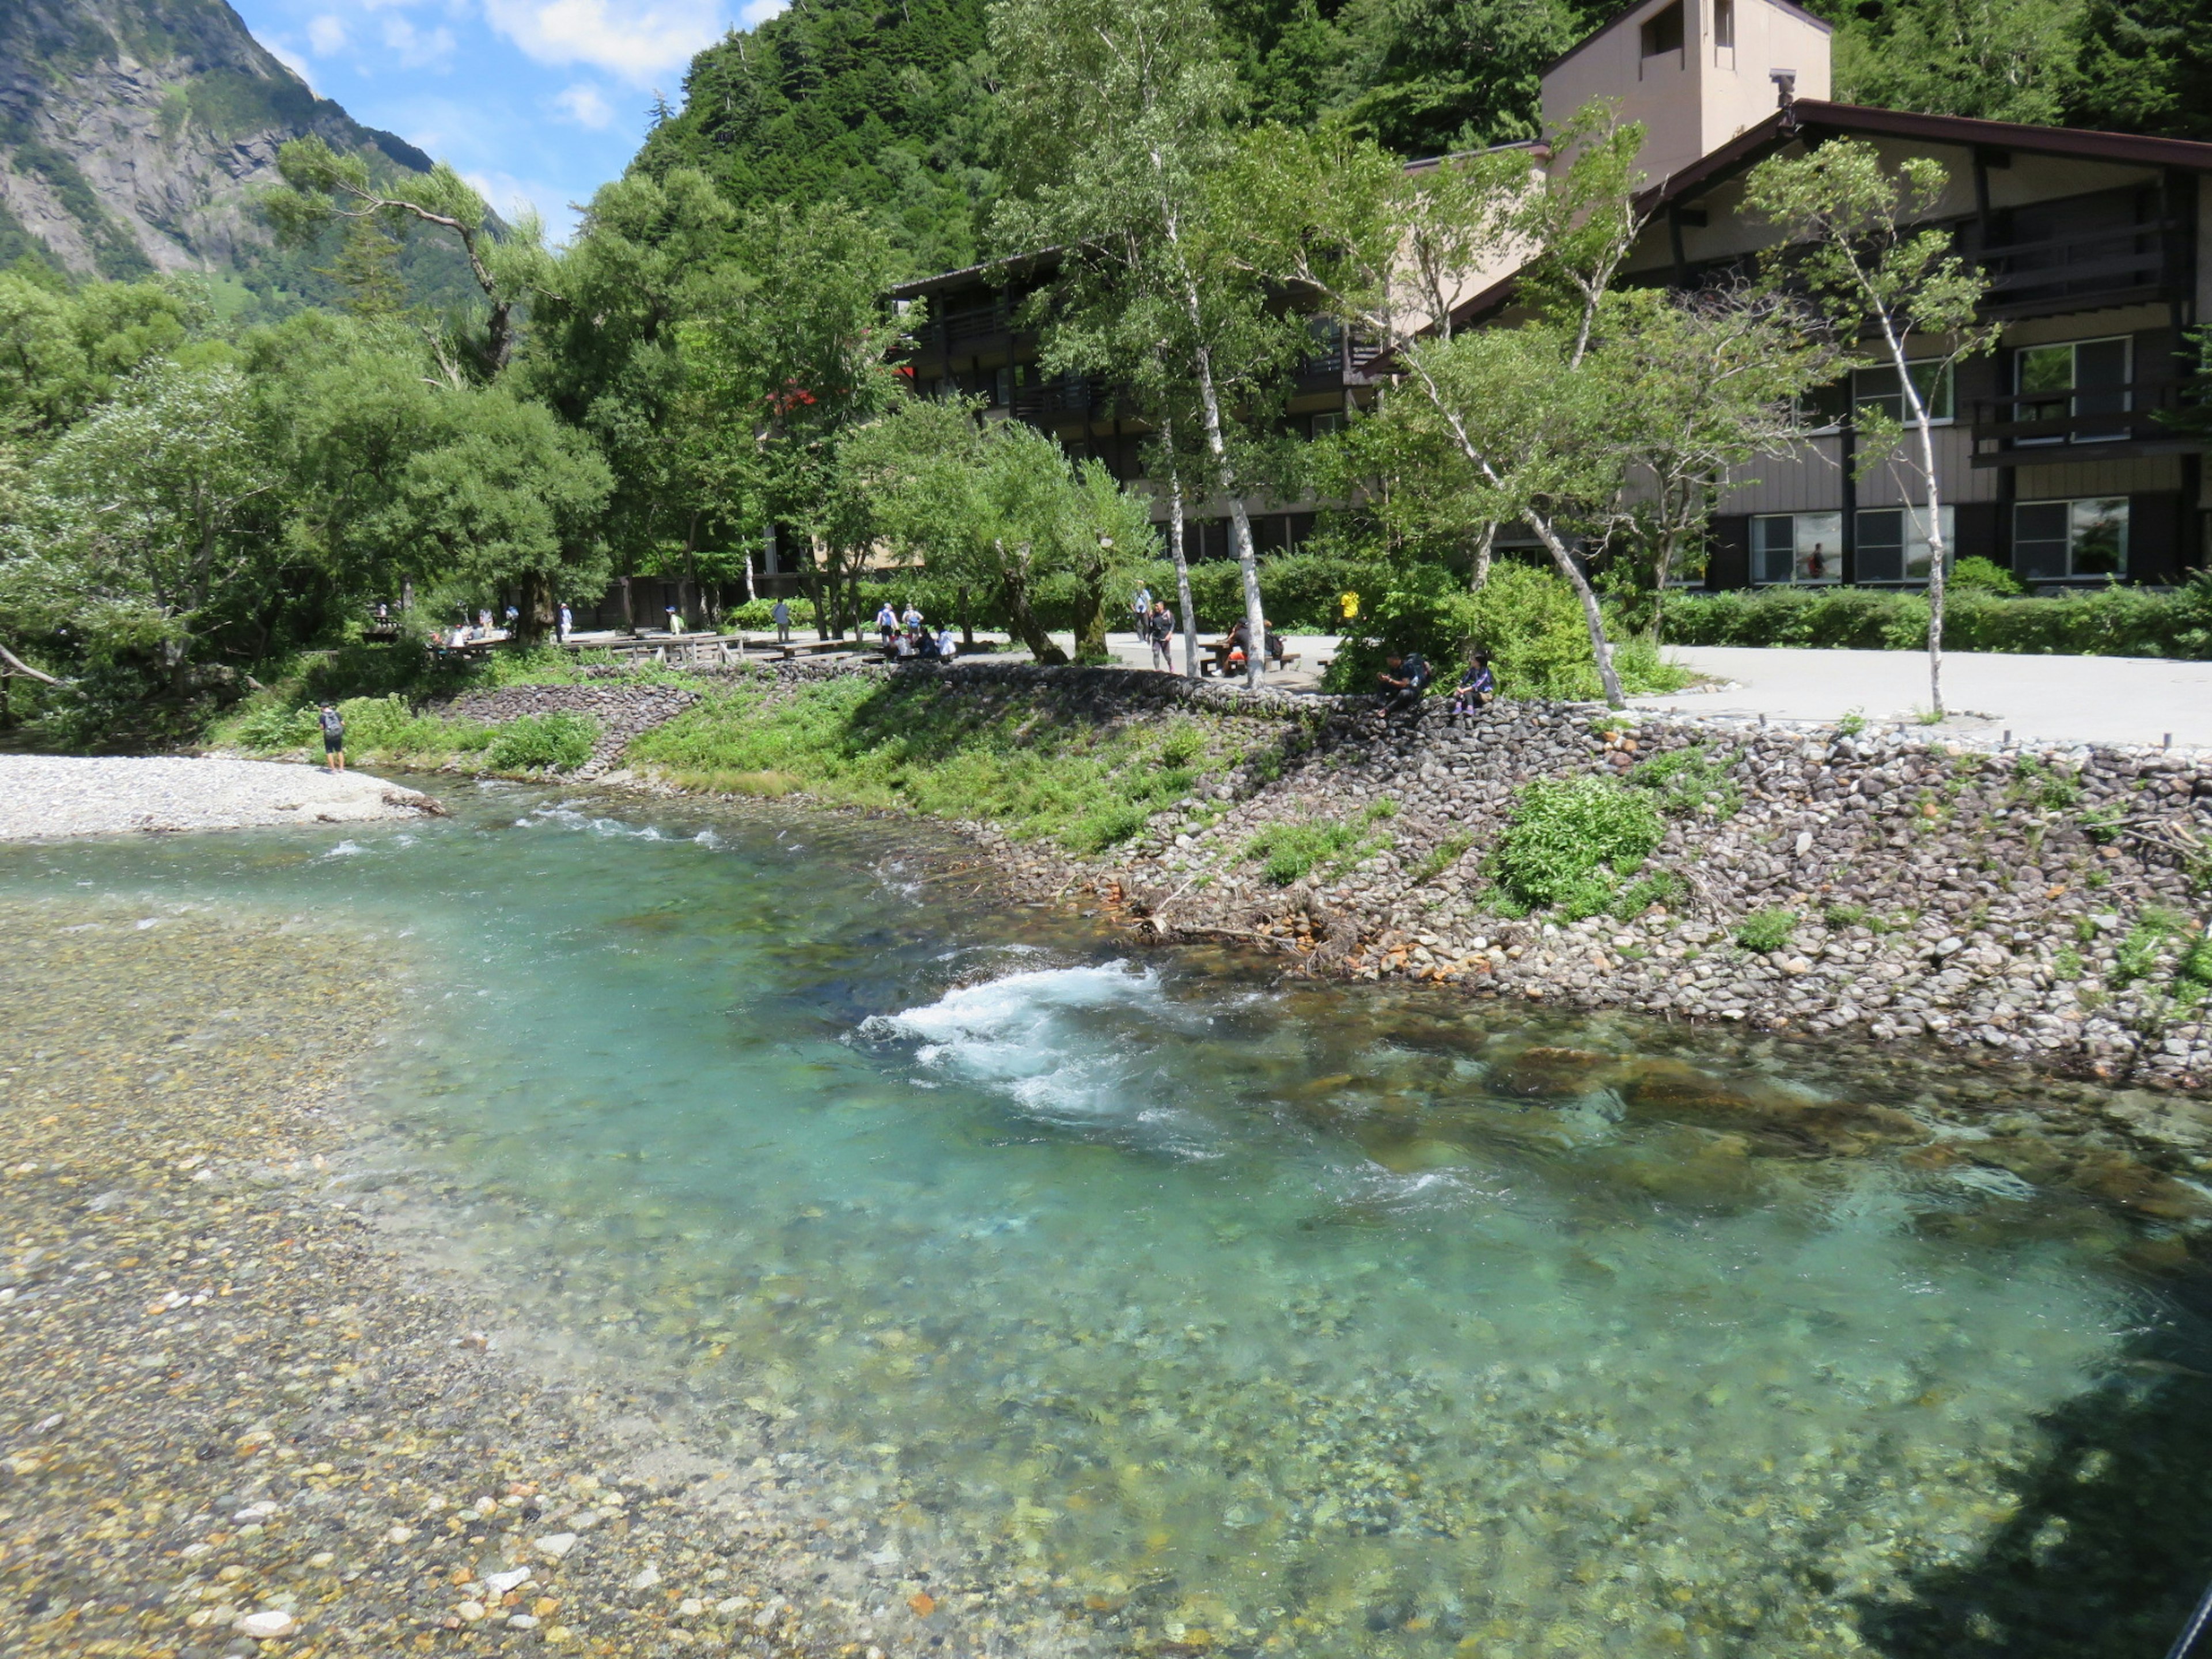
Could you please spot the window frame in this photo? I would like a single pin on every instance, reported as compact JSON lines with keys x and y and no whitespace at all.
{"x":1833,"y":551}
{"x":2023,"y":400}
{"x":1948,"y":379}
{"x":2125,"y":517}
{"x":1946,"y":515}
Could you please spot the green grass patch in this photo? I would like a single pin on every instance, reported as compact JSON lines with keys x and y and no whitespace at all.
{"x":945,"y":752}
{"x":1292,"y":851}
{"x":1689,"y":782}
{"x":1573,"y":841}
{"x":558,"y":742}
{"x":1766,"y":931}
{"x":1441,"y":857}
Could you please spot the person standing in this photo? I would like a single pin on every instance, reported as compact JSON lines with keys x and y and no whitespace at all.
{"x":675,"y":620}
{"x":780,"y":614}
{"x":1160,"y":627}
{"x":333,"y":725}
{"x":887,"y":624}
{"x":912,"y":618}
{"x":1347,"y":607}
{"x":1141,"y":609}
{"x":568,"y":622}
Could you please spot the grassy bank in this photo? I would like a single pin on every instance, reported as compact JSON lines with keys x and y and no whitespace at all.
{"x":998,"y":754}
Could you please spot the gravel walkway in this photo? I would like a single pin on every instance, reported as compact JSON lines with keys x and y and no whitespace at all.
{"x":45,"y":796}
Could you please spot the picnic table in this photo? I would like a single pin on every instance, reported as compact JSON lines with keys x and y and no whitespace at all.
{"x":1219,"y":663}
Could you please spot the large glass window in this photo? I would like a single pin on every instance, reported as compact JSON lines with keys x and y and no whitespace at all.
{"x":2069,"y":380}
{"x":2058,"y":541}
{"x":1797,"y":547}
{"x":1894,"y":544}
{"x":1875,"y":390}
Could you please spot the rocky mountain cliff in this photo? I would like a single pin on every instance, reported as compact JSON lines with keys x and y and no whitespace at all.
{"x":134,"y":133}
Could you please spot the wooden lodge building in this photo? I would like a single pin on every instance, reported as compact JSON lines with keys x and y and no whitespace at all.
{"x":2054,"y":461}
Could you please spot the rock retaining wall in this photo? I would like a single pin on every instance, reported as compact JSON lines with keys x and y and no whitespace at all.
{"x":623,"y":708}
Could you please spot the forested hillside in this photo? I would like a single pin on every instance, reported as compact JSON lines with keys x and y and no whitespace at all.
{"x":894,"y":109}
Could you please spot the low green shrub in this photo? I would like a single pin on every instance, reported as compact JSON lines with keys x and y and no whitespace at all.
{"x":268,"y":729}
{"x":2111,"y":622}
{"x":1768,"y":929}
{"x":1979,"y":575}
{"x":1687,"y":781}
{"x":1575,"y":839}
{"x":1292,"y":851}
{"x":558,"y":742}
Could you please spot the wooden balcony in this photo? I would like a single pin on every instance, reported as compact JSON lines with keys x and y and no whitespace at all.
{"x":2082,"y":423}
{"x":2086,"y":271}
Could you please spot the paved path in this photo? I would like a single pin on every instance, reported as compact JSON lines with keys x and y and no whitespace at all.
{"x":2131,"y":700}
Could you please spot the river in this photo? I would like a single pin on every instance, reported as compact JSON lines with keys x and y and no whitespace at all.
{"x":1230,"y":1313}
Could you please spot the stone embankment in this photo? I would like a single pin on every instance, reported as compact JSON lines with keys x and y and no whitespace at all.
{"x":2039,"y":903}
{"x":624,"y":708}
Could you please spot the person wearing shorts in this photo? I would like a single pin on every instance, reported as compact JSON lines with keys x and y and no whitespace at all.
{"x":333,"y":725}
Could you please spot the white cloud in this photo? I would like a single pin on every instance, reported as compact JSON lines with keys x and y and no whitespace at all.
{"x":415,"y":48}
{"x":291,"y":59}
{"x":754,"y":12}
{"x":585,"y":106}
{"x":326,"y":35}
{"x":636,"y":42}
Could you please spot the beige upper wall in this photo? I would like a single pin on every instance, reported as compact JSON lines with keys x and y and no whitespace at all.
{"x":1694,"y":99}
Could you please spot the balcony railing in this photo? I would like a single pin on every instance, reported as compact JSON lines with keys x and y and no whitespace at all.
{"x":2112,"y":266}
{"x":2053,"y":424}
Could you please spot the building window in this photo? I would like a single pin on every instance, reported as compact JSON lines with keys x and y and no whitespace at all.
{"x":2059,"y":541}
{"x":1662,"y":31}
{"x":1326,"y":422}
{"x":1892,"y":543}
{"x":1875,"y":391}
{"x":2067,"y":381}
{"x":1797,"y":547}
{"x":1724,"y":24}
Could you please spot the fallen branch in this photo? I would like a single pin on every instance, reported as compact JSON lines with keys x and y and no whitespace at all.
{"x":13,"y":663}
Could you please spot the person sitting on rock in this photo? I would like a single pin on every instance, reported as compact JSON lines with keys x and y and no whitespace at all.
{"x":1404,"y":682}
{"x":1477,"y":688}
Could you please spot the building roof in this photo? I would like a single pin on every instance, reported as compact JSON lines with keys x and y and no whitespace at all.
{"x":1819,"y":118}
{"x":1596,"y":35}
{"x":996,"y":272}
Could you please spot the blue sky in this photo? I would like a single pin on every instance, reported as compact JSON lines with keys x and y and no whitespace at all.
{"x":535,"y":101}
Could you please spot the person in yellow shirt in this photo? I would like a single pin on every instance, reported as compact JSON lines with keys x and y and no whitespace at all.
{"x":1347,"y":604}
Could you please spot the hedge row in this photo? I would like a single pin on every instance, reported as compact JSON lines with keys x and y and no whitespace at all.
{"x":2109,"y":621}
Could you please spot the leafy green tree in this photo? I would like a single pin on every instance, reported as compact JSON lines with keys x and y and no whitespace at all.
{"x":997,"y":504}
{"x":2014,"y":61}
{"x":650,"y":256}
{"x":144,"y":521}
{"x":778,"y":378}
{"x":322,"y":188}
{"x":1533,"y":415}
{"x":1860,"y":243}
{"x":63,"y":351}
{"x":1121,"y":114}
{"x":1436,"y":76}
{"x":2145,"y":66}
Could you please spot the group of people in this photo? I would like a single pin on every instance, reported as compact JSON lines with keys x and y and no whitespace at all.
{"x":907,"y":636}
{"x":1405,"y":682}
{"x":1155,"y":623}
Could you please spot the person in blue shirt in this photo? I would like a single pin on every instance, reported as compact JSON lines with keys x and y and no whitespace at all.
{"x":1477,"y":688}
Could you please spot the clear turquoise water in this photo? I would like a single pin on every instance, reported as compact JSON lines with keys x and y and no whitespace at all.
{"x":1298,"y":1320}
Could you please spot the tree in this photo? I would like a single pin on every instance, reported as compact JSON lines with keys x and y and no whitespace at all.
{"x":999,"y":505}
{"x":1532,"y":411}
{"x":1711,"y":380}
{"x":322,"y":188}
{"x":143,"y":520}
{"x":603,"y":350}
{"x":2014,"y":60}
{"x":1120,"y":112}
{"x":782,"y":373}
{"x":1859,"y":245}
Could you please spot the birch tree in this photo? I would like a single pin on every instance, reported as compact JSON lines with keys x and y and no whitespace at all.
{"x":1118,"y":115}
{"x":1858,"y":242}
{"x":1531,"y":410}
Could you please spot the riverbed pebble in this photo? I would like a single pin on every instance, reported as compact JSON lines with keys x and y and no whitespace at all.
{"x":45,"y":797}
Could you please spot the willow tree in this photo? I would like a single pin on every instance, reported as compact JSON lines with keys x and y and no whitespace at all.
{"x":1120,"y":113}
{"x":1858,"y":239}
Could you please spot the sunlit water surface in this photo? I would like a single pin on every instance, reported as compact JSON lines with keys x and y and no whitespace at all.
{"x":1225,"y":1314}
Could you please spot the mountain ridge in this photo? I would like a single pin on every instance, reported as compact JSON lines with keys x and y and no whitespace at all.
{"x":133,"y":135}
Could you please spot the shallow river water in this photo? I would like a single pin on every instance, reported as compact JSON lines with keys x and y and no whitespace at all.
{"x":1226,"y":1313}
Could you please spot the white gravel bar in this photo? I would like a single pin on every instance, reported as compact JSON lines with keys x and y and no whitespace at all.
{"x":45,"y":797}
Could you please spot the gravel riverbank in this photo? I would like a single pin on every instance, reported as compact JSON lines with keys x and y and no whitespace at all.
{"x":239,"y":1414}
{"x":47,"y":796}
